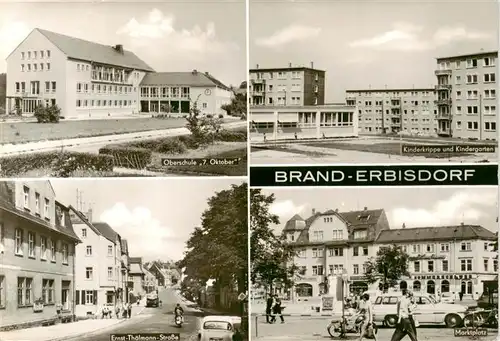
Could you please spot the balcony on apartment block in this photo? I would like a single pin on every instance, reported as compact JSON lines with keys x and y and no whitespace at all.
{"x":446,"y":72}
{"x":443,"y":116}
{"x":258,"y":81}
{"x":443,"y":87}
{"x":443,"y":101}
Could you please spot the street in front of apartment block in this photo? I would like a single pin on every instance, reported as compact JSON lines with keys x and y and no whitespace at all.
{"x":90,"y":105}
{"x":93,"y":258}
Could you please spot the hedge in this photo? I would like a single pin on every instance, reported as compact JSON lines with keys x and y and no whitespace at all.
{"x":127,"y":157}
{"x":232,"y":136}
{"x":63,"y":164}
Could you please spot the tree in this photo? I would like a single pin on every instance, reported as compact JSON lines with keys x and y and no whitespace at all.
{"x":238,"y":105}
{"x":47,"y":114}
{"x":219,"y":248}
{"x":202,"y":129}
{"x":390,"y":264}
{"x":271,"y":256}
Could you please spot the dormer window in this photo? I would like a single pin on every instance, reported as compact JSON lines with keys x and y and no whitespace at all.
{"x":364,"y":217}
{"x":360,"y":234}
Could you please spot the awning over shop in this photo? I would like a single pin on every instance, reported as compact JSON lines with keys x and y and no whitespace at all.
{"x":288,"y":117}
{"x":260,"y":118}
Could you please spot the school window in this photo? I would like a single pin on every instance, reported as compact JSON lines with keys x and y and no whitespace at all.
{"x":489,"y":77}
{"x":48,"y":291}
{"x":78,"y":87}
{"x":490,"y":126}
{"x":41,"y":66}
{"x":19,"y":242}
{"x":490,"y":109}
{"x":471,"y":63}
{"x":48,"y":66}
{"x":110,"y":272}
{"x":47,"y":86}
{"x":31,"y":245}
{"x":472,"y":126}
{"x":472,"y":109}
{"x":471,"y":79}
{"x":89,"y":272}
{"x":24,"y":291}
{"x":466,"y":264}
{"x":489,"y":61}
{"x":22,"y":55}
{"x":490,"y":94}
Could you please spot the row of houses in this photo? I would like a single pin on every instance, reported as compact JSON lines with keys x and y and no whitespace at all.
{"x":87,"y":80}
{"x":56,"y":260}
{"x":290,"y":102}
{"x":445,"y":259}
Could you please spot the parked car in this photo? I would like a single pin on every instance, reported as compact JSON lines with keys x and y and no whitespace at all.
{"x":429,"y":311}
{"x":152,"y":300}
{"x":447,"y":297}
{"x":220,"y":328}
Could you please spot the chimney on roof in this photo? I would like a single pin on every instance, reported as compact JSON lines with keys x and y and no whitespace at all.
{"x":119,"y":48}
{"x":462,"y":223}
{"x":257,"y":66}
{"x":336,"y":210}
{"x":404,"y":226}
{"x":195,"y":72}
{"x":312,"y":65}
{"x":89,"y":215}
{"x":289,"y":64}
{"x":206,"y":73}
{"x":366,"y":208}
{"x":313,"y":211}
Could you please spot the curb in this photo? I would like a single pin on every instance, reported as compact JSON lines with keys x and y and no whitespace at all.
{"x":301,"y":315}
{"x":97,"y":331}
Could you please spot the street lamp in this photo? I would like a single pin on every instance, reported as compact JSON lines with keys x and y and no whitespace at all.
{"x":343,"y":278}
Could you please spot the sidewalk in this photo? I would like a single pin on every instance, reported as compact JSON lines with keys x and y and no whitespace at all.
{"x":66,"y":331}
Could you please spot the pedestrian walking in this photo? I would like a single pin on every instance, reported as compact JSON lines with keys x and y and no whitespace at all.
{"x":129,"y":310}
{"x":117,"y":310}
{"x":461,"y":295}
{"x":366,"y":311}
{"x":277,"y":309}
{"x":269,"y":306}
{"x":404,"y":326}
{"x":412,"y":308}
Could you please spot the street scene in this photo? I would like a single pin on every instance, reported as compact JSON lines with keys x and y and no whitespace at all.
{"x":409,"y":85}
{"x":115,"y":99}
{"x":323,"y":265}
{"x":90,"y":261}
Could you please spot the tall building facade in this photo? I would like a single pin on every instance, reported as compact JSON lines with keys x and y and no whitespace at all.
{"x":331,"y":243}
{"x":467,"y":95}
{"x":289,"y":86}
{"x":99,"y":273}
{"x":446,"y":259}
{"x":37,"y":254}
{"x":410,"y":111}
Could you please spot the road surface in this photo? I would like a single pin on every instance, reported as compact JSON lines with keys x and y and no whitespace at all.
{"x":155,"y":320}
{"x":314,"y":329}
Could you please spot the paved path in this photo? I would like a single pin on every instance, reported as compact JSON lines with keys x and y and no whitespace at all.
{"x":312,"y":329}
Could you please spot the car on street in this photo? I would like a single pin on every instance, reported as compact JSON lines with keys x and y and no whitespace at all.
{"x":152,"y":300}
{"x":447,"y":297}
{"x":218,"y":328}
{"x":429,"y":311}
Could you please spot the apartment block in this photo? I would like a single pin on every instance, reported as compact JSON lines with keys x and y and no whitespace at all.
{"x":37,"y":254}
{"x":291,"y":86}
{"x":331,"y":243}
{"x":176,"y":93}
{"x":382,"y":111}
{"x":467,"y":96}
{"x":269,"y":123}
{"x":446,"y":259}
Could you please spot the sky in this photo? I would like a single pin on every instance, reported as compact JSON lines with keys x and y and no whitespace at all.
{"x":367,"y":43}
{"x":412,"y":206}
{"x":156,"y":216}
{"x":209,"y":36}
